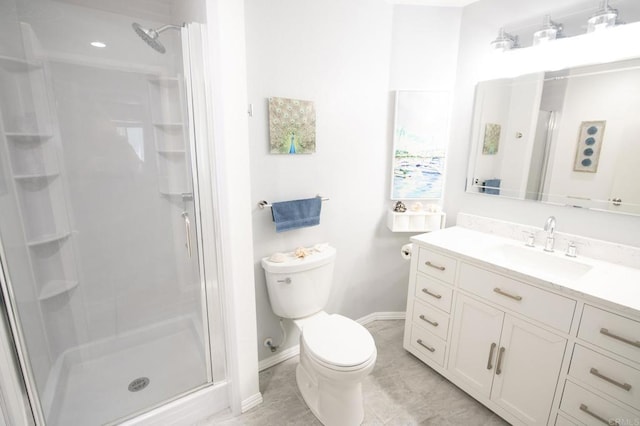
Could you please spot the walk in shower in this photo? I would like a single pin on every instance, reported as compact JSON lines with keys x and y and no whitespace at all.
{"x":103,"y":269}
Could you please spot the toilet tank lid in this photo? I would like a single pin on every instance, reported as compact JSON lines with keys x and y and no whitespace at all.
{"x":290,"y":263}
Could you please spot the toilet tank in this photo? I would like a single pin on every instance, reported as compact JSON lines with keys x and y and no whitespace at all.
{"x":299,"y":287}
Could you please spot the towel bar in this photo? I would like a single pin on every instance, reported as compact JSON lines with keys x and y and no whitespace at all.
{"x":262,"y":204}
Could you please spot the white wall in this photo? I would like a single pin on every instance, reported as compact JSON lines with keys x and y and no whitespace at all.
{"x":339,"y":55}
{"x":480,"y":23}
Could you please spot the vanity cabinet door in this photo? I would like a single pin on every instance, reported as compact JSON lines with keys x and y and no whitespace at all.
{"x":475,"y":341}
{"x":527,"y":370}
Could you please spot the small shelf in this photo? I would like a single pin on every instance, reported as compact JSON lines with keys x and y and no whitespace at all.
{"x":56,"y":287}
{"x":28,"y":137}
{"x":174,"y":125}
{"x":17,"y":65}
{"x":172,"y":151}
{"x":37,"y":176}
{"x":48,"y":239}
{"x":164,"y":81}
{"x":410,"y":221}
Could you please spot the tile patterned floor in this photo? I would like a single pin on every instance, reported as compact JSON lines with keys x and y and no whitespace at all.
{"x":401,"y":390}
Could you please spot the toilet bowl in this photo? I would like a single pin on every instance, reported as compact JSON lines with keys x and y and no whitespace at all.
{"x":336,"y":353}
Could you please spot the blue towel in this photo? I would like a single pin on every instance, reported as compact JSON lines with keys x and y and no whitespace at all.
{"x":492,"y":186}
{"x":296,"y":214}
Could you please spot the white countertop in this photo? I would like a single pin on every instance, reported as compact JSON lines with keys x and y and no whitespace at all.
{"x":603,"y":282}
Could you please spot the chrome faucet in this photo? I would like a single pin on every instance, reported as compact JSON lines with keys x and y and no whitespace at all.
{"x":550,"y":228}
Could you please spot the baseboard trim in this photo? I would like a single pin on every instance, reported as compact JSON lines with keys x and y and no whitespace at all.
{"x":253,"y":401}
{"x":278,"y":358}
{"x":377,"y":316}
{"x":295,"y":350}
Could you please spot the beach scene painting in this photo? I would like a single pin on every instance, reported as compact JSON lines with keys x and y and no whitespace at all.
{"x":292,"y":126}
{"x":419,"y":144}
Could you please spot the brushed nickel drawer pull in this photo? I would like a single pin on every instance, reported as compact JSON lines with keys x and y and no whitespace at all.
{"x":431,"y":265}
{"x":595,"y":416}
{"x":606,"y":332}
{"x":499,"y":366}
{"x":433,"y":323}
{"x":437,"y":296}
{"x":504,"y":293}
{"x":595,"y":372}
{"x":489,"y":365}
{"x":429,"y":348}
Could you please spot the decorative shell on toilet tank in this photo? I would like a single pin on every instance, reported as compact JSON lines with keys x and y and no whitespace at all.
{"x":299,"y":287}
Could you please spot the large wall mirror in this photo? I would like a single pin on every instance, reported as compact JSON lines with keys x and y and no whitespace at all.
{"x":569,"y":137}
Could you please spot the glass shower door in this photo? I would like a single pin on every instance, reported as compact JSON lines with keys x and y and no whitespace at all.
{"x":98,"y":223}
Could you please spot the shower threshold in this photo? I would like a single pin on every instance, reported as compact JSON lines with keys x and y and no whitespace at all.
{"x":91,"y":385}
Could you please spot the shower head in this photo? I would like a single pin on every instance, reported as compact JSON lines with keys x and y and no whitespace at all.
{"x":150,"y":35}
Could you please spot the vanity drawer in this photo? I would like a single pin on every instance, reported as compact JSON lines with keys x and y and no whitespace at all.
{"x":607,"y":375}
{"x":428,"y":344}
{"x":431,"y":319}
{"x":611,"y":331}
{"x":590,"y":409}
{"x":541,"y":305}
{"x":437,"y":265}
{"x":434,"y":292}
{"x":563,"y":421}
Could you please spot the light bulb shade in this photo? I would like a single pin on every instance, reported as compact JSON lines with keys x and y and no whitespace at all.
{"x":550,"y":31}
{"x":605,"y":17}
{"x":504,"y":41}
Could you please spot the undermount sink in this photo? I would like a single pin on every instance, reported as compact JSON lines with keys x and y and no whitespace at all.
{"x":537,"y":262}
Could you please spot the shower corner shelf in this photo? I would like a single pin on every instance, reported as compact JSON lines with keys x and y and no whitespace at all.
{"x":164,"y":125}
{"x":28,"y":137}
{"x":47,"y":176}
{"x":56,"y":287}
{"x":172,"y":151}
{"x":163,"y":81}
{"x":48,"y":239}
{"x":17,"y":64}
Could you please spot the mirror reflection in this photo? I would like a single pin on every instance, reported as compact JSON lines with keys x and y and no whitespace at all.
{"x":568,"y":137}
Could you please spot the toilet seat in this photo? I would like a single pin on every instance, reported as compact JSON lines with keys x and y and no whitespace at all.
{"x":339,"y":343}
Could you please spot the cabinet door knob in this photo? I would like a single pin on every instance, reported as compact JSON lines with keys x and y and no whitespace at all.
{"x":489,"y":365}
{"x":499,"y":365}
{"x":429,"y":348}
{"x":433,"y":323}
{"x":504,"y":293}
{"x":433,"y":265}
{"x":437,"y":296}
{"x":595,"y":372}
{"x":606,"y":332}
{"x":597,"y":416}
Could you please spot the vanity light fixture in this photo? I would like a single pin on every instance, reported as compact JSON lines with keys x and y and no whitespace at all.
{"x":605,"y":17}
{"x":504,"y":41}
{"x":98,"y":44}
{"x":550,"y":31}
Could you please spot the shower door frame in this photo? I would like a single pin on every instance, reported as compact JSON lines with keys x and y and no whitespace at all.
{"x":18,"y":392}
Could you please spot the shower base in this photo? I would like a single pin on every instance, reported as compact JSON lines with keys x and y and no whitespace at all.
{"x":90,"y":384}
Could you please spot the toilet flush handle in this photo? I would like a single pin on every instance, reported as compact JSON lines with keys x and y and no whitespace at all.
{"x":286,"y":281}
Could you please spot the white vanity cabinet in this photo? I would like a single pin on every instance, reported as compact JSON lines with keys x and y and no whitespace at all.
{"x":530,"y":351}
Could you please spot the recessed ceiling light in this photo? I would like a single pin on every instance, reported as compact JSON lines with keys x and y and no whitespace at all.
{"x":98,"y":44}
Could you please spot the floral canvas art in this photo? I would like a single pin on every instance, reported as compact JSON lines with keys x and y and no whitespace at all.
{"x":292,"y":126}
{"x":491,"y":139}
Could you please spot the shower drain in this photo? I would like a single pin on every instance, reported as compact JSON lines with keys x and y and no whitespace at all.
{"x":138,"y":384}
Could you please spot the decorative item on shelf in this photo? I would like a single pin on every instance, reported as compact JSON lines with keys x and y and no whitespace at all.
{"x":399,"y":207}
{"x":589,"y":146}
{"x":550,"y":31}
{"x":301,"y":252}
{"x":491,"y":139}
{"x":504,"y":41}
{"x":433,"y":208}
{"x":416,"y":207}
{"x":605,"y":17}
{"x":292,"y":126}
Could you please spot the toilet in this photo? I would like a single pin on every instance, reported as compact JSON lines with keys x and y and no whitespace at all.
{"x":336,"y":353}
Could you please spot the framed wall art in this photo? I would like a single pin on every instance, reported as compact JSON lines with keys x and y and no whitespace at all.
{"x":590,"y":137}
{"x":419,"y":144}
{"x":292,"y":126}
